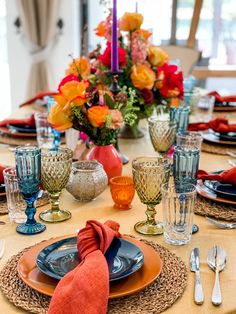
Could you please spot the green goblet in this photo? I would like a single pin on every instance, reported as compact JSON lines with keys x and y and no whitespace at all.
{"x":162,"y":134}
{"x":56,"y":167}
{"x":149,"y":174}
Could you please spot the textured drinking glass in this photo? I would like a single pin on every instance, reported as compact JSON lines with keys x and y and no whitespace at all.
{"x":189,"y":139}
{"x":122,"y":191}
{"x":45,"y":136}
{"x":56,"y":167}
{"x":15,"y":202}
{"x":204,"y":108}
{"x":185,"y":165}
{"x":149,"y":174}
{"x":183,"y":118}
{"x":162,"y":134}
{"x":28,"y":170}
{"x":178,"y":210}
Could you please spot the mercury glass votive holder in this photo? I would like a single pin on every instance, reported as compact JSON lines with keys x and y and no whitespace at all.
{"x":162,"y":134}
{"x":56,"y":168}
{"x":122,"y":192}
{"x":87,"y":180}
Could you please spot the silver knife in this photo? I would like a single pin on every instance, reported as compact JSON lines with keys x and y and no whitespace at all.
{"x":195,"y":266}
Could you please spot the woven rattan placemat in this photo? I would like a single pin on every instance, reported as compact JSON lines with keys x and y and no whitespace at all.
{"x":157,"y":297}
{"x":206,"y":207}
{"x":40,"y":202}
{"x":17,"y":141}
{"x":217,"y":149}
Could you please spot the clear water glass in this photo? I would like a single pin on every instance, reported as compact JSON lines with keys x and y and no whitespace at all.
{"x":189,"y":139}
{"x":15,"y":201}
{"x":178,"y":212}
{"x":45,"y":136}
{"x":162,"y":134}
{"x":149,"y":173}
{"x":28,"y":170}
{"x":56,"y":168}
{"x":185,"y":165}
{"x":204,"y":108}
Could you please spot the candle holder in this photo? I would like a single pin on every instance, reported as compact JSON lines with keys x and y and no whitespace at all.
{"x":115,"y":89}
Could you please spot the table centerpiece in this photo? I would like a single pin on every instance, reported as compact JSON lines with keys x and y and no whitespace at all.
{"x":89,"y":107}
{"x":144,"y":67}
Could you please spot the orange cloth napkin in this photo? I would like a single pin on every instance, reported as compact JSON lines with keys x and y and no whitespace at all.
{"x":85,"y":289}
{"x":227,"y":176}
{"x":219,"y":98}
{"x":29,"y":121}
{"x":1,"y":174}
{"x":38,"y":96}
{"x":220,"y":125}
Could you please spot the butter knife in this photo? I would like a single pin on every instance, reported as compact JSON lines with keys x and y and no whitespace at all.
{"x":195,"y":267}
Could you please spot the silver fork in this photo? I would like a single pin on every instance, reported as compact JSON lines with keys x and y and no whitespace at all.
{"x":232,"y":163}
{"x":230,"y":153}
{"x":222,"y":225}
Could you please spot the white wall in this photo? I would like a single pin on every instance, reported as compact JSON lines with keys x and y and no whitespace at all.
{"x":19,"y":59}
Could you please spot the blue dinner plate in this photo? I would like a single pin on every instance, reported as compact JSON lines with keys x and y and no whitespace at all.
{"x":231,"y":136}
{"x":22,"y":128}
{"x":57,"y":259}
{"x":222,"y":189}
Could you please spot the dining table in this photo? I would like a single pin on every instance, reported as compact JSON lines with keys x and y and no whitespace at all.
{"x":101,"y":209}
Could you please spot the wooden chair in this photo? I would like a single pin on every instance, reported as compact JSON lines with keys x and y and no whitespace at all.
{"x":188,"y":54}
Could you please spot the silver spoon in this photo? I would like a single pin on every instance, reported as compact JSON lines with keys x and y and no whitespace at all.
{"x":216,"y":260}
{"x":222,"y":225}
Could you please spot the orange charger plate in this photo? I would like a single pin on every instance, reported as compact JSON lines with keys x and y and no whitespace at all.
{"x":137,"y":281}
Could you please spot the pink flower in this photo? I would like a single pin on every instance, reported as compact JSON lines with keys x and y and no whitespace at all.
{"x":116,"y":119}
{"x":138,"y":48}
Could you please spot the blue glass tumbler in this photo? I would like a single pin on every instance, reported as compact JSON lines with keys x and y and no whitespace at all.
{"x":57,"y":135}
{"x":28,"y":170}
{"x":185,"y":166}
{"x":181,"y":116}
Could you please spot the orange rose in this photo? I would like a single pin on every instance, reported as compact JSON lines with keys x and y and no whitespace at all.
{"x":97,"y":115}
{"x":80,"y":67}
{"x":75,"y":92}
{"x":157,"y":56}
{"x":130,"y":21}
{"x":142,"y":76}
{"x":100,"y":30}
{"x":59,"y":118}
{"x":144,"y":34}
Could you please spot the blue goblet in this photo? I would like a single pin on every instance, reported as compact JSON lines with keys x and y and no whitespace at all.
{"x":28,"y":170}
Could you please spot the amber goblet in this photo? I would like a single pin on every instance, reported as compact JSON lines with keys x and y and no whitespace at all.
{"x":150,"y":173}
{"x":122,"y":191}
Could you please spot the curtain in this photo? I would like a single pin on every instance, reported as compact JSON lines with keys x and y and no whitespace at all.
{"x":39,"y":18}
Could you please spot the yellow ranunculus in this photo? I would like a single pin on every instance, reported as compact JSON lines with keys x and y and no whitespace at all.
{"x":131,"y":21}
{"x":97,"y":115}
{"x":79,"y":66}
{"x":59,"y":118}
{"x":142,"y":76}
{"x":157,"y":56}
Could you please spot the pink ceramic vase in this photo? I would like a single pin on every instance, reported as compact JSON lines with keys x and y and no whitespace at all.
{"x":108,"y":157}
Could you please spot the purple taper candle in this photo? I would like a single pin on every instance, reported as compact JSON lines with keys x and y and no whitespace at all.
{"x":114,"y":40}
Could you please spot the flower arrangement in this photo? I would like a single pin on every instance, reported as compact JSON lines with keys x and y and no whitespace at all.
{"x":90,"y":108}
{"x":145,"y":67}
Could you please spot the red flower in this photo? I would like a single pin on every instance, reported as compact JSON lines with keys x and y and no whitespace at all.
{"x":170,"y":81}
{"x":147,"y":95}
{"x":66,"y":79}
{"x":105,"y":58}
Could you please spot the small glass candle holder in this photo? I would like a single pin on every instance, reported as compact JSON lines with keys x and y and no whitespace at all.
{"x":122,"y":192}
